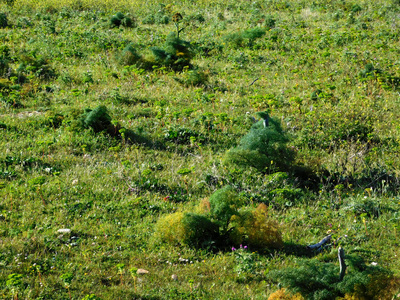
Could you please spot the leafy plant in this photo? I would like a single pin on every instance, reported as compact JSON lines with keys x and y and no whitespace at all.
{"x":14,"y":282}
{"x":35,"y":64}
{"x":245,"y":261}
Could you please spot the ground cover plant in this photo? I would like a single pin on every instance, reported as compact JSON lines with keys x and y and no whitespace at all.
{"x":181,"y":150}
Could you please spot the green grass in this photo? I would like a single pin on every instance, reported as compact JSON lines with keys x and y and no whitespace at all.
{"x":308,"y":63}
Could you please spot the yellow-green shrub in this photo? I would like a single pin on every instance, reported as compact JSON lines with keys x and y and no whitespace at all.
{"x":257,"y":229}
{"x":186,"y":228}
{"x":170,"y":228}
{"x":282,"y":294}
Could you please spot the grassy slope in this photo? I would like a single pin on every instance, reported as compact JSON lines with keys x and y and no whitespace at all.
{"x":102,"y":193}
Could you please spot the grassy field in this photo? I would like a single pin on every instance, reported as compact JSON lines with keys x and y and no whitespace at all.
{"x":132,"y":140}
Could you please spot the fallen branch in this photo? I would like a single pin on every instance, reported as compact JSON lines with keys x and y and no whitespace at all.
{"x":253,"y":81}
{"x":342,"y":263}
{"x":321,"y":243}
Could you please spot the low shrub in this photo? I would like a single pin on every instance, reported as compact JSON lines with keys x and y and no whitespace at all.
{"x":129,"y":56}
{"x":262,"y":148}
{"x":314,"y":279}
{"x":257,"y":229}
{"x":175,"y":54}
{"x":218,"y":222}
{"x":245,"y":38}
{"x":189,"y":229}
{"x":119,"y":19}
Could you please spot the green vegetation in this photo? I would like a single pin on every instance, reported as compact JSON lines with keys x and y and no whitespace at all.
{"x":181,"y":150}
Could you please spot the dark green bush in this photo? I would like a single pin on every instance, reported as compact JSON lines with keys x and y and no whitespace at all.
{"x":3,"y":20}
{"x":320,"y":281}
{"x":176,"y":53}
{"x":98,"y":119}
{"x":4,"y":60}
{"x":200,"y":232}
{"x":120,"y":19}
{"x":262,"y":148}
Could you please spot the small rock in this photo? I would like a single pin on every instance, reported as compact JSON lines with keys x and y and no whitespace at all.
{"x":141,"y":271}
{"x":64,"y":230}
{"x":174,"y":277}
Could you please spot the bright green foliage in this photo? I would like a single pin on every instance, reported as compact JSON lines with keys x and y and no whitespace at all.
{"x":175,"y":54}
{"x":262,"y":148}
{"x":14,"y":280}
{"x":67,"y":278}
{"x":91,"y":297}
{"x":319,"y":280}
{"x":224,"y":204}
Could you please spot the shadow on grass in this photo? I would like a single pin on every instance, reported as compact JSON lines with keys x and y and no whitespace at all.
{"x":297,"y":250}
{"x":133,"y":138}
